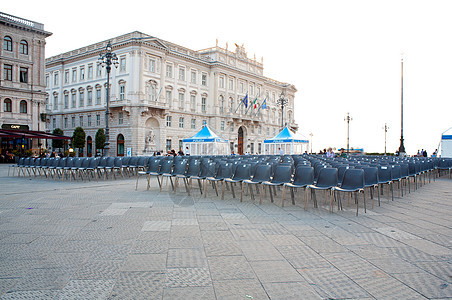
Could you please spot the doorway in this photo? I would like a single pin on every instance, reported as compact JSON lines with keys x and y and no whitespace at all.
{"x":240,"y":141}
{"x":89,"y":146}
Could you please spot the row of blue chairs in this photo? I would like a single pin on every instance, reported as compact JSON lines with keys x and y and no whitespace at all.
{"x":80,"y":167}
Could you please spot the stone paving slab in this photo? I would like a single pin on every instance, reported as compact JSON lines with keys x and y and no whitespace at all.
{"x":103,"y":240}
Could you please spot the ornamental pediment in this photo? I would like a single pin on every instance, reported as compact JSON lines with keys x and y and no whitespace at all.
{"x":157,"y":43}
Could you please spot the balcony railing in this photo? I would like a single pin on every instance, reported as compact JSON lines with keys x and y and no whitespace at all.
{"x":20,"y":21}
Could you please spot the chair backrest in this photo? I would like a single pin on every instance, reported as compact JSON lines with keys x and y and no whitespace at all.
{"x":180,"y":167}
{"x":54,"y":162}
{"x":353,"y":179}
{"x":194,"y":167}
{"x":118,"y":162}
{"x":405,"y":170}
{"x":396,"y":172}
{"x":141,"y":161}
{"x":125,"y":160}
{"x":77,"y":163}
{"x":283,"y":174}
{"x":153,"y":165}
{"x":85,"y":162}
{"x":384,"y":174}
{"x":224,"y":171}
{"x":242,"y":172}
{"x":304,"y":175}
{"x":94,"y":162}
{"x":70,"y":161}
{"x":110,"y":162}
{"x":102,"y":162}
{"x":327,"y":178}
{"x":262,"y":173}
{"x":27,"y":161}
{"x":341,"y":171}
{"x":44,"y":161}
{"x":370,"y":175}
{"x":317,"y":168}
{"x":62,"y":162}
{"x":166,"y":166}
{"x":133,"y":161}
{"x":207,"y":169}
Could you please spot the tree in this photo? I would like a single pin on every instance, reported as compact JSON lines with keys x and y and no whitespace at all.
{"x":78,"y":138}
{"x":57,"y":143}
{"x":100,"y":139}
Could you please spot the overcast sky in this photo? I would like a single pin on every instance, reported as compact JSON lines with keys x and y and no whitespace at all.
{"x":342,"y":56}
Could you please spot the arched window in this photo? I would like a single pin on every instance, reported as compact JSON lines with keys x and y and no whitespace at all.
{"x":23,"y":47}
{"x":7,"y":105}
{"x":221,"y":100}
{"x":23,"y":107}
{"x":120,"y":145}
{"x":122,"y":89}
{"x":7,"y":43}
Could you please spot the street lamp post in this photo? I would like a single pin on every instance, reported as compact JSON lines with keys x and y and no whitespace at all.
{"x":106,"y":60}
{"x":348,"y":119}
{"x":311,"y":140}
{"x":283,"y":102}
{"x":402,"y":147}
{"x":386,"y":130}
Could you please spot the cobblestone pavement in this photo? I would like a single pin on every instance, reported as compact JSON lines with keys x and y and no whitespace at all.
{"x":104,"y":240}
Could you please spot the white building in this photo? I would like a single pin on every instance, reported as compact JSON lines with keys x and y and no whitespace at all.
{"x":22,"y":86}
{"x":162,"y":92}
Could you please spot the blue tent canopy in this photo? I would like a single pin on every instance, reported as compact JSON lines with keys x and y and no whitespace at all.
{"x":205,"y":135}
{"x":285,"y":136}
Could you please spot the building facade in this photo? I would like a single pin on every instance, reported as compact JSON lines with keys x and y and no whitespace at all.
{"x":22,"y":85}
{"x":161,"y":93}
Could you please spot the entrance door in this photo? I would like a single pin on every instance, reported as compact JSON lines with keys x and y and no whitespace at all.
{"x":89,"y":146}
{"x":240,"y":142}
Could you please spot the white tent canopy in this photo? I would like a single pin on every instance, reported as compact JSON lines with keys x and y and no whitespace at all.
{"x":446,"y":143}
{"x":206,"y":142}
{"x":287,"y":141}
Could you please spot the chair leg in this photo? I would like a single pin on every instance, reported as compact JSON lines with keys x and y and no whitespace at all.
{"x":283,"y":194}
{"x":222,"y":190}
{"x":331,"y":201}
{"x":262,"y":191}
{"x":187,"y":187}
{"x":241,"y":193}
{"x":199,"y":184}
{"x":364,"y":195}
{"x":232,"y":189}
{"x":270,"y":190}
{"x":357,"y":204}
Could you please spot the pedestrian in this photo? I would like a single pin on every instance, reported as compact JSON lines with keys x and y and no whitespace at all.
{"x":187,"y":151}
{"x":435,"y":153}
{"x":180,"y":152}
{"x":424,"y":154}
{"x":281,"y":152}
{"x":330,"y":153}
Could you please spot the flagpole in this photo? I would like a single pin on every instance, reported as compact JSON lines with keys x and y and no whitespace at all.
{"x":156,"y":99}
{"x":241,"y":102}
{"x":260,"y":105}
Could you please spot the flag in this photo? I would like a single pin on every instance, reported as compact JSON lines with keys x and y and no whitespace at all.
{"x":264,"y":104}
{"x":245,"y":101}
{"x":255,"y":103}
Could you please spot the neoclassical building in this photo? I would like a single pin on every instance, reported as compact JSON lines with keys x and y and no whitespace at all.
{"x":22,"y":85}
{"x":162,"y":93}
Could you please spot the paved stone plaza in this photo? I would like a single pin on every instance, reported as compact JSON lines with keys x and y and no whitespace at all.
{"x":104,"y":240}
